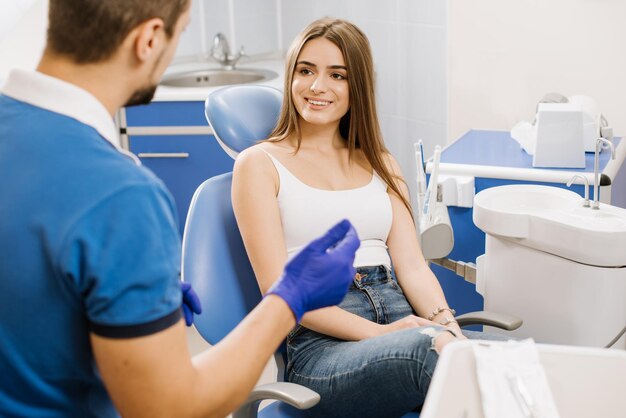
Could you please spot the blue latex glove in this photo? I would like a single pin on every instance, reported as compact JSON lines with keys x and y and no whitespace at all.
{"x":321,"y":273}
{"x":191,"y":303}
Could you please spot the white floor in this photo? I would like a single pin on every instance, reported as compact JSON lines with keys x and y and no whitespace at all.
{"x":197,"y":345}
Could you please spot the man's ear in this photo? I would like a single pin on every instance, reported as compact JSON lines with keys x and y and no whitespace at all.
{"x":149,"y":39}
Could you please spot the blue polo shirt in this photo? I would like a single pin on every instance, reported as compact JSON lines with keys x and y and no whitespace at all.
{"x":88,"y":244}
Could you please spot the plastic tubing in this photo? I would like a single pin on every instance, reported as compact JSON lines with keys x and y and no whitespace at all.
{"x":431,"y":192}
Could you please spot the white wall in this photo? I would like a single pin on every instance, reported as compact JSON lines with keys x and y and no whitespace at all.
{"x":256,"y":25}
{"x":506,"y":54}
{"x":23,"y":34}
{"x":192,"y":40}
{"x":251,"y":23}
{"x":408,"y":39}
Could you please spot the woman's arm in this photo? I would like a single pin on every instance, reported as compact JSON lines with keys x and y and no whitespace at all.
{"x":419,"y":284}
{"x":254,"y":191}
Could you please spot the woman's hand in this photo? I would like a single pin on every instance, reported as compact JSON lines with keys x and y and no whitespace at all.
{"x":457,"y":330}
{"x":409,"y":321}
{"x":414,"y":321}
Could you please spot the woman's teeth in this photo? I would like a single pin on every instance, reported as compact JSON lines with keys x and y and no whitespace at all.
{"x":318,"y":102}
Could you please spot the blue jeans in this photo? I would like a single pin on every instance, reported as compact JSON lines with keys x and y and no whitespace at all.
{"x":380,"y":377}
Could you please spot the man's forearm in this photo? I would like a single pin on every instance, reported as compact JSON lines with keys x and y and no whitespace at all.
{"x":227,"y":372}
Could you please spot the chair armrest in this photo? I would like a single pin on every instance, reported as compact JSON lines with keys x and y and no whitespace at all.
{"x":494,"y":319}
{"x":293,"y":394}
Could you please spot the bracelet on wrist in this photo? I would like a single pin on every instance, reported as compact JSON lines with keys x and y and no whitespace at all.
{"x":439,"y":310}
{"x":447,"y":321}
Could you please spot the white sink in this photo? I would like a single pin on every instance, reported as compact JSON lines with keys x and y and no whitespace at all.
{"x":553,"y":220}
{"x":217,"y":77}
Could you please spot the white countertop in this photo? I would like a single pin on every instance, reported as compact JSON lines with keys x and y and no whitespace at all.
{"x":179,"y":94}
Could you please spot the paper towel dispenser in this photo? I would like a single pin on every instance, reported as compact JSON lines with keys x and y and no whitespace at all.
{"x":564,"y":129}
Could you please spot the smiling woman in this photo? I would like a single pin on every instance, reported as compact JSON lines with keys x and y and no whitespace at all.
{"x":320,"y":85}
{"x":374,"y":353}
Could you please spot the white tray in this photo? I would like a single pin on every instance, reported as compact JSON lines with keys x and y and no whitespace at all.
{"x":585,"y":382}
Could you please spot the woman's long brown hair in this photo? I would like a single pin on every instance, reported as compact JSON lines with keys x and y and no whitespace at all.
{"x":359,"y":127}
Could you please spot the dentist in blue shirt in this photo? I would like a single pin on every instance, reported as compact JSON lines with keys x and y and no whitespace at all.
{"x":90,"y":309}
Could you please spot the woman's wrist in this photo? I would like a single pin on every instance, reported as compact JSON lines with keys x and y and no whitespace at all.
{"x":439,"y":312}
{"x":447,"y":321}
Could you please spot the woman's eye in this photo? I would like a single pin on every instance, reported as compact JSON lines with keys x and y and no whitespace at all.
{"x":338,"y":76}
{"x":305,"y":71}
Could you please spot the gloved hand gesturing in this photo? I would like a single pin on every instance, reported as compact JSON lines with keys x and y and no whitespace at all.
{"x":191,"y":303}
{"x":320,"y":274}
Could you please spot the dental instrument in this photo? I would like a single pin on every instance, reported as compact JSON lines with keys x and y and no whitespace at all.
{"x":431,"y":192}
{"x":600,"y":142}
{"x":521,"y":395}
{"x":421,"y":177}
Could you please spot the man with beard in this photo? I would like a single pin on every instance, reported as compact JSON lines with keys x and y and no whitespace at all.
{"x":90,"y":317}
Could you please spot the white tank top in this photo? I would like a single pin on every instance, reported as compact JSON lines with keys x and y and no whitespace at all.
{"x":307,"y":212}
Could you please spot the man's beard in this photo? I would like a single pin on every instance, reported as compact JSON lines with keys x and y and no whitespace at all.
{"x":142,"y":96}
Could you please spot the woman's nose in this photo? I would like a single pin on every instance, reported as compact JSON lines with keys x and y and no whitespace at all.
{"x":318,"y":86}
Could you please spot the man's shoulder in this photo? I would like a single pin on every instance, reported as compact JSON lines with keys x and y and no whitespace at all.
{"x":73,"y":162}
{"x":113,"y":175}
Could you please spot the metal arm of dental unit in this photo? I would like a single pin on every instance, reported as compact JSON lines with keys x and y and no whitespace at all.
{"x":596,"y":170}
{"x":437,"y":240}
{"x":433,"y":221}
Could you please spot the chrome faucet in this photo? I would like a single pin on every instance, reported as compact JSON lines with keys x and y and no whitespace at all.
{"x":584,"y":179}
{"x":596,"y":169}
{"x":220,"y":51}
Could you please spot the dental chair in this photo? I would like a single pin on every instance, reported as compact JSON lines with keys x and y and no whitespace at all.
{"x":214,"y":259}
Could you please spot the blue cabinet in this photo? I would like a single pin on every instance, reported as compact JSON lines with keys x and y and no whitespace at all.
{"x":175,"y":142}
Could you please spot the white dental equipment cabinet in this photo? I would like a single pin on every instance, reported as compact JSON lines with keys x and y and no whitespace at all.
{"x":561,"y":301}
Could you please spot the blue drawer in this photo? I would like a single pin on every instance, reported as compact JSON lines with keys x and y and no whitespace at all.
{"x":167,"y":114}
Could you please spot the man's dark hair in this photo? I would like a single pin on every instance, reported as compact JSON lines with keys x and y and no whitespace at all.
{"x":89,"y":31}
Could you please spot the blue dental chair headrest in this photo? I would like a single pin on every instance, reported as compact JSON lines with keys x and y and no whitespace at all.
{"x":241,"y":115}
